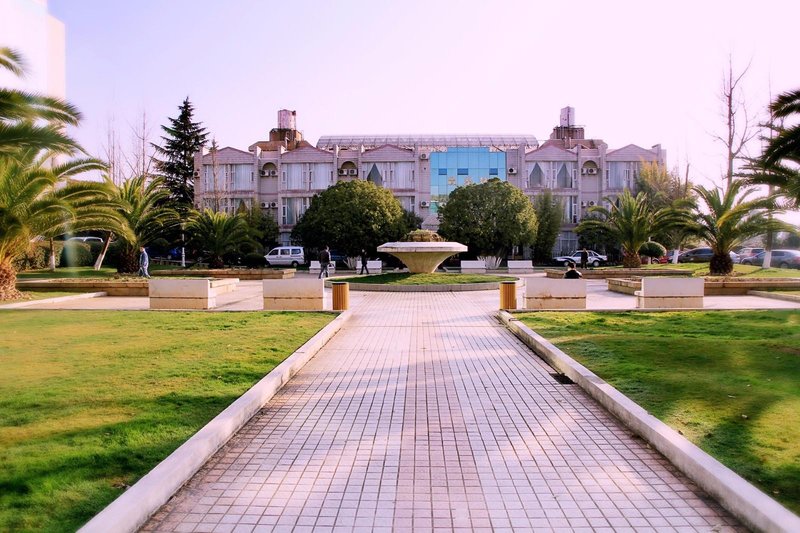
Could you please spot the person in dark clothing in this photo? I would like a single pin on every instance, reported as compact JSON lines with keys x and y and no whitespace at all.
{"x":144,"y":262}
{"x":584,"y":258}
{"x":324,"y":261}
{"x":364,"y":259}
{"x":571,"y":273}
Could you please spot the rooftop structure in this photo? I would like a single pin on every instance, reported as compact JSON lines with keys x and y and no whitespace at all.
{"x":355,"y":142}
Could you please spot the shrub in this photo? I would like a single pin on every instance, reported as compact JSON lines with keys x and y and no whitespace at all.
{"x":255,"y":260}
{"x":113,"y":254}
{"x":37,"y":256}
{"x":158,"y":247}
{"x":423,"y":235}
{"x":76,"y":254}
{"x":652,"y":249}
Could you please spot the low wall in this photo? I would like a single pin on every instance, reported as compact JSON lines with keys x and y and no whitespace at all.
{"x":714,"y":287}
{"x":111,"y":288}
{"x":240,"y":273}
{"x":605,"y":273}
{"x":455,"y":287}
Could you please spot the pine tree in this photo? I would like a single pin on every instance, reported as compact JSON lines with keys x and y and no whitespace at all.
{"x":183,"y":139}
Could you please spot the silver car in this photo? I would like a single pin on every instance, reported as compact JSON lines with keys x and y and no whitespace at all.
{"x":286,"y":256}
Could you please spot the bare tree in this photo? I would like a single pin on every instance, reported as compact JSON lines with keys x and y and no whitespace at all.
{"x":740,"y":128}
{"x":140,"y":160}
{"x":219,"y":182}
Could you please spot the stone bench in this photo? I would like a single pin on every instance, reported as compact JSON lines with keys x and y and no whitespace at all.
{"x":520,"y":267}
{"x":670,"y":293}
{"x":296,"y":294}
{"x":374,"y":267}
{"x":315,"y":267}
{"x":473,"y":267}
{"x":188,"y":293}
{"x":545,"y":293}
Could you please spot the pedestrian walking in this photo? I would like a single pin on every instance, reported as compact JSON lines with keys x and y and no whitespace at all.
{"x":584,"y":258}
{"x":144,"y":262}
{"x":364,"y":259}
{"x":324,"y":262}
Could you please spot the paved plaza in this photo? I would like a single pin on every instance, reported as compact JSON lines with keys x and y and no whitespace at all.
{"x":424,"y":413}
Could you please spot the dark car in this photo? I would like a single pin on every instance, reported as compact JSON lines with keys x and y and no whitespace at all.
{"x":780,"y":259}
{"x":697,"y":255}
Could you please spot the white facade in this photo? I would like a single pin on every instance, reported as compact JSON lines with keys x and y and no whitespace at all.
{"x":27,"y":27}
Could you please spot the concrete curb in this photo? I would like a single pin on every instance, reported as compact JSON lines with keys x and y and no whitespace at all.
{"x":82,"y":296}
{"x":775,"y":296}
{"x":462,"y":287}
{"x":743,"y":500}
{"x":137,"y":504}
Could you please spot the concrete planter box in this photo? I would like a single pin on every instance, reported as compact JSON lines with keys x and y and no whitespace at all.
{"x":605,"y":273}
{"x":238,"y":273}
{"x":473,"y":267}
{"x":666,"y":293}
{"x":111,"y":288}
{"x":188,"y":293}
{"x":714,"y":287}
{"x":520,"y":267}
{"x":293,"y":294}
{"x":544,"y":293}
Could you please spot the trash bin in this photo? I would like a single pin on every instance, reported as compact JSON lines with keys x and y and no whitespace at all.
{"x":341,"y":295}
{"x":508,"y":295}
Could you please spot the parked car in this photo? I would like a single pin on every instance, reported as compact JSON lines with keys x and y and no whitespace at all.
{"x":286,"y":256}
{"x":745,"y":253}
{"x":595,"y":259}
{"x":702,"y":255}
{"x":780,"y":259}
{"x":86,"y":239}
{"x":667,"y":258}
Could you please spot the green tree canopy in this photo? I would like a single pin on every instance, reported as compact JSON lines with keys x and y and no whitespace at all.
{"x":350,"y":216}
{"x":489,"y":218}
{"x":182,"y":140}
{"x":216,"y":234}
{"x":549,"y":212}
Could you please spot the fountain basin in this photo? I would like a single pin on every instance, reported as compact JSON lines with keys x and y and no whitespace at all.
{"x":422,"y":257}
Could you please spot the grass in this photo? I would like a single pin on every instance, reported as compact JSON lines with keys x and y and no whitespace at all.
{"x":90,"y":400}
{"x":425,"y":279}
{"x":28,"y":296}
{"x":82,"y":272}
{"x":745,"y":271}
{"x":727,"y":380}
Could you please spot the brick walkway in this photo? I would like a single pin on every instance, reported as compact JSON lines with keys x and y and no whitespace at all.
{"x":424,"y":413}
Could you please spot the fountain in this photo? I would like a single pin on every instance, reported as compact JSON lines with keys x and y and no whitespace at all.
{"x":423,"y":252}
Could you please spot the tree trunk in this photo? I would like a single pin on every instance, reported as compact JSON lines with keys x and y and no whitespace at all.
{"x":101,"y":257}
{"x":631,"y":260}
{"x":128,"y":261}
{"x":721,"y":265}
{"x":51,"y":260}
{"x":8,"y":282}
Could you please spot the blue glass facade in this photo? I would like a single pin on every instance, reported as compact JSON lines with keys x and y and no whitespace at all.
{"x":463,"y":166}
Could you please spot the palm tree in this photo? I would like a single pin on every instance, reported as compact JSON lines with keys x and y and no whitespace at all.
{"x":37,"y":199}
{"x":631,"y":221}
{"x":29,"y":120}
{"x":144,"y":217}
{"x":216,"y":234}
{"x":727,"y":218}
{"x":786,"y":144}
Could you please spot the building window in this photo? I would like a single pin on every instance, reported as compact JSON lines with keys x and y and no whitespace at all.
{"x":463,"y":171}
{"x":493,"y":172}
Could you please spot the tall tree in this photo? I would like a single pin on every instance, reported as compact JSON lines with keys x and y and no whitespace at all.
{"x":549,"y":212}
{"x":665,"y":189}
{"x":490,"y":218}
{"x":217,"y":234}
{"x":183,"y":138}
{"x":632,"y":221}
{"x":351,"y":216}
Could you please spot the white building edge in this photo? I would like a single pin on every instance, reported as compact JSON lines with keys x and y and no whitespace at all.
{"x":282,"y":174}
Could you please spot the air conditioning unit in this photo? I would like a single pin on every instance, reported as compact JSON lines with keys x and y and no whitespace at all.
{"x":273,"y":173}
{"x":264,"y":205}
{"x":583,"y":204}
{"x":273,"y":205}
{"x":584,"y":170}
{"x":424,"y":204}
{"x":591,"y":171}
{"x":591,"y":204}
{"x":264,"y":173}
{"x":196,"y":173}
{"x":352,"y":172}
{"x":423,"y":156}
{"x":512,"y":170}
{"x":343,"y":172}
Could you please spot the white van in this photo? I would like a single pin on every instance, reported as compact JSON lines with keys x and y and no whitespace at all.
{"x":286,"y":256}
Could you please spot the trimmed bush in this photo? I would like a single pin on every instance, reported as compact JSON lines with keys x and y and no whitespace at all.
{"x":38,"y":255}
{"x":76,"y":254}
{"x":255,"y":260}
{"x":652,"y":249}
{"x":423,"y":235}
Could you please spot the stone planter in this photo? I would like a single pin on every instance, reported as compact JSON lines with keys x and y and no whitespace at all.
{"x":188,"y":293}
{"x":295,"y":294}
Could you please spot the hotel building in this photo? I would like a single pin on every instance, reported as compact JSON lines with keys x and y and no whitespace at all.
{"x":282,"y":174}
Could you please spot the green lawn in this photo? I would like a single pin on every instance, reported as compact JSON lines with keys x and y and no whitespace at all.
{"x":729,"y":381}
{"x":90,"y":401}
{"x":38,"y":296}
{"x":82,"y":272}
{"x":745,"y":271}
{"x":426,"y":279}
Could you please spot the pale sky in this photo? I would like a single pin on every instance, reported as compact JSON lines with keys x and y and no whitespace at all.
{"x":636,"y":72}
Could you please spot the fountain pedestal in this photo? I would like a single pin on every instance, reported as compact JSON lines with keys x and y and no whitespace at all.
{"x":422,"y":257}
